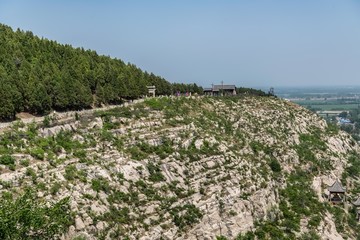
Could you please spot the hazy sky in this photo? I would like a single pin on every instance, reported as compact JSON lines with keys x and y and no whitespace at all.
{"x":247,"y":43}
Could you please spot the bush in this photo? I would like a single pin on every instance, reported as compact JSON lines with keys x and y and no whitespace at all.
{"x":31,"y":173}
{"x":332,"y":129}
{"x":12,"y":167}
{"x":70,"y":172}
{"x":157,"y":103}
{"x":186,"y":215}
{"x":80,"y":154}
{"x":247,"y":236}
{"x":25,"y":162}
{"x":312,"y":235}
{"x":298,"y":200}
{"x":7,"y":160}
{"x":136,"y":153}
{"x":314,"y":221}
{"x":121,"y":215}
{"x":64,"y":139}
{"x":353,"y":169}
{"x":37,"y":153}
{"x":100,"y":184}
{"x":46,"y":121}
{"x":221,"y":237}
{"x":55,"y":188}
{"x":28,"y":218}
{"x":275,"y":165}
{"x":155,"y":173}
{"x":119,"y":197}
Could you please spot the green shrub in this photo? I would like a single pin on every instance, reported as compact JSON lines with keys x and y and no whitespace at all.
{"x":115,"y":112}
{"x":179,"y":191}
{"x":155,"y":173}
{"x":108,"y":124}
{"x":37,"y":153}
{"x":157,"y":103}
{"x":25,"y":162}
{"x":28,"y":218}
{"x":31,"y":173}
{"x":275,"y":165}
{"x":7,"y":160}
{"x":100,"y":184}
{"x":118,"y":143}
{"x":79,"y":238}
{"x":70,"y":172}
{"x":55,"y":188}
{"x":119,"y":197}
{"x":353,"y":168}
{"x":77,"y":116}
{"x":340,"y":218}
{"x":81,"y":153}
{"x":46,"y":121}
{"x":314,"y":221}
{"x":311,"y":235}
{"x":257,"y":146}
{"x":64,"y":139}
{"x":186,"y":215}
{"x":150,"y":192}
{"x":269,"y":230}
{"x":31,"y":130}
{"x":116,"y":215}
{"x":332,"y":129}
{"x":298,"y":200}
{"x":221,"y":237}
{"x":232,"y":213}
{"x":247,"y":236}
{"x":12,"y":167}
{"x":136,"y":153}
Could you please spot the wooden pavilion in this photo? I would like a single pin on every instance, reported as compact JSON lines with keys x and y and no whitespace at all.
{"x":336,"y":193}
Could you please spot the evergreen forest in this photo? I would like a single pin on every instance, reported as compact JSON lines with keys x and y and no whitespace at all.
{"x":38,"y":75}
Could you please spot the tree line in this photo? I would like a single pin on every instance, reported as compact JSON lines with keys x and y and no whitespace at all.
{"x":38,"y":75}
{"x":251,"y":91}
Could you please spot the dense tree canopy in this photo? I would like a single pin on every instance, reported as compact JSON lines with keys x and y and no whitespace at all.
{"x":186,"y":88}
{"x":37,"y":75}
{"x":251,"y":91}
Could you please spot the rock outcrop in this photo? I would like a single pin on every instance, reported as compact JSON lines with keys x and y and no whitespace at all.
{"x":191,"y":168}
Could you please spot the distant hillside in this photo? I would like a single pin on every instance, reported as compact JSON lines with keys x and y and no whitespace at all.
{"x":37,"y":75}
{"x":179,"y":168}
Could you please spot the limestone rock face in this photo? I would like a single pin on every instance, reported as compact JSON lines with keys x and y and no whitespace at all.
{"x":191,"y":168}
{"x":96,"y":123}
{"x":328,"y":228}
{"x":79,"y":224}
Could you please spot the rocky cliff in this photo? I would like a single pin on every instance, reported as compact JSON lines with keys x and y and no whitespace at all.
{"x":189,"y":168}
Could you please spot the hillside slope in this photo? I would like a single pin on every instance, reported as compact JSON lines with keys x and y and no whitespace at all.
{"x":38,"y":75}
{"x":189,"y":168}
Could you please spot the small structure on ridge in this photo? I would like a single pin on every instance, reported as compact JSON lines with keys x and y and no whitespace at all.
{"x":151,"y":90}
{"x":336,"y":193}
{"x":221,"y":90}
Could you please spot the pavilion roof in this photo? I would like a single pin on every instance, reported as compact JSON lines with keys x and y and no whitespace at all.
{"x":357,"y":202}
{"x":225,"y":87}
{"x":336,"y":187}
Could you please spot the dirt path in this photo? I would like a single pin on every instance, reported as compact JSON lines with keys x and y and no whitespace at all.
{"x":64,"y":115}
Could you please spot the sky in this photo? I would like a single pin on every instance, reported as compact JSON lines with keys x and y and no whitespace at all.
{"x":249,"y":43}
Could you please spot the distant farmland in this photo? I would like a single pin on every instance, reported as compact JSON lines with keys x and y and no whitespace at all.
{"x":321,"y":105}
